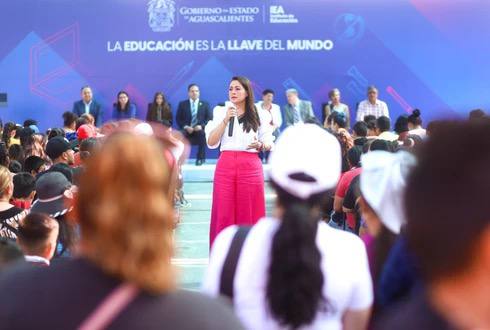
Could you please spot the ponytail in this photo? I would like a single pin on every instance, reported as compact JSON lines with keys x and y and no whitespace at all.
{"x":295,"y":281}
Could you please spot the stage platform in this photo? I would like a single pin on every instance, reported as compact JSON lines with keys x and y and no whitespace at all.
{"x":205,"y":172}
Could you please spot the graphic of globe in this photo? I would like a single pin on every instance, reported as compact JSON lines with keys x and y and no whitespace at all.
{"x":349,"y":28}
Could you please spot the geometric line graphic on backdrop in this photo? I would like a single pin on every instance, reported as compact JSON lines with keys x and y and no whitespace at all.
{"x":52,"y":61}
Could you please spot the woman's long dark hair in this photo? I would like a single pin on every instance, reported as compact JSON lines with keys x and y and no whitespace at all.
{"x":165,"y":107}
{"x":250,"y":118}
{"x":118,"y":105}
{"x":295,"y":282}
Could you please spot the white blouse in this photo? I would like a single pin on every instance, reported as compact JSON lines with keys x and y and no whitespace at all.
{"x":240,"y":139}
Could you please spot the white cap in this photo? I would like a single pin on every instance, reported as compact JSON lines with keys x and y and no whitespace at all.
{"x":306,"y":150}
{"x":383,"y":181}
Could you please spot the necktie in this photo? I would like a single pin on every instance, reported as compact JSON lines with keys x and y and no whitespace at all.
{"x":194,"y":113}
{"x":295,"y":115}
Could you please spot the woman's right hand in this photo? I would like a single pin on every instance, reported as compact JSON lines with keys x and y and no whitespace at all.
{"x":230,"y":112}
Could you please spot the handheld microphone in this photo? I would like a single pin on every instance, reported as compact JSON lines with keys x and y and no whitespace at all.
{"x":232,"y":119}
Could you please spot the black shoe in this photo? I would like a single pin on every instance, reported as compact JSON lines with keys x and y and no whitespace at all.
{"x":198,"y":162}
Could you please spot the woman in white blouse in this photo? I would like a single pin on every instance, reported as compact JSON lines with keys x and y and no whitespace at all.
{"x":292,"y":271}
{"x":238,"y":189}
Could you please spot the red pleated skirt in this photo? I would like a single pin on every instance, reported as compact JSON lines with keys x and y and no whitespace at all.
{"x":238,"y":191}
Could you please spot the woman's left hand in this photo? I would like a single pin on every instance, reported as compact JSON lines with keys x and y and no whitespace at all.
{"x":256,"y":144}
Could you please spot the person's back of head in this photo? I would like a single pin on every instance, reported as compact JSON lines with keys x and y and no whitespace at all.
{"x":415,"y":119}
{"x":445,"y":187}
{"x":38,"y":235}
{"x":302,"y":182}
{"x":382,"y":145}
{"x":30,"y":122}
{"x":69,"y":118}
{"x":354,"y":156}
{"x":383,"y":124}
{"x":88,"y":147}
{"x":16,"y":152}
{"x":401,"y":124}
{"x":360,"y":129}
{"x":125,"y":210}
{"x":476,"y":114}
{"x":24,"y":186}
{"x":9,"y":253}
{"x":81,"y":121}
{"x":34,"y":165}
{"x":56,"y":132}
{"x":15,"y":167}
{"x":339,"y":119}
{"x":369,"y":118}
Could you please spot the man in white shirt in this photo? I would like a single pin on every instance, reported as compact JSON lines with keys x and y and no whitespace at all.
{"x":272,"y":110}
{"x":372,"y":106}
{"x":37,"y":237}
{"x":297,"y":111}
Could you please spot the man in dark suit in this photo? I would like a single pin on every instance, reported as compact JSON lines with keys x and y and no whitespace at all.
{"x":297,"y":110}
{"x":88,"y":105}
{"x":192,"y":116}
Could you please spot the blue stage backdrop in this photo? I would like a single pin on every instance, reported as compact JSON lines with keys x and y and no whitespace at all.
{"x":429,"y":54}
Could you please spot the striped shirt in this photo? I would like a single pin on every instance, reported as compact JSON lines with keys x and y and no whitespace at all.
{"x":9,"y":221}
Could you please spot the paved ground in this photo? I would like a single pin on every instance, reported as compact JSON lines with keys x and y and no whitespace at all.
{"x":192,"y":234}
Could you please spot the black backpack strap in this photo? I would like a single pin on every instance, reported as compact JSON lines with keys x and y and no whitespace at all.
{"x":231,"y":262}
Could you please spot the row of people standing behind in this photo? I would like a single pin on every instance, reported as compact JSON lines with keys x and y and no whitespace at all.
{"x":296,"y":110}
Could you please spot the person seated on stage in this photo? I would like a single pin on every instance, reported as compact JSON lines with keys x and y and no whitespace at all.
{"x":37,"y":237}
{"x":88,"y":105}
{"x":448,"y":231}
{"x":372,"y":106}
{"x":10,"y":253}
{"x":34,"y":165}
{"x":24,"y":190}
{"x":69,"y":125}
{"x":383,"y":125}
{"x":272,"y":109}
{"x":123,"y":108}
{"x":297,"y":110}
{"x":192,"y":116}
{"x":334,"y":105}
{"x":159,"y":110}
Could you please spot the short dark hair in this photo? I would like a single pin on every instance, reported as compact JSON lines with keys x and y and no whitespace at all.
{"x":435,"y":204}
{"x":9,"y":252}
{"x":29,"y":122}
{"x":360,"y":128}
{"x":56,"y":132}
{"x":369,"y":118}
{"x":16,"y":152}
{"x":354,"y":156}
{"x":339,"y":119}
{"x":401,"y":124}
{"x":24,"y":185}
{"x":267,"y":91}
{"x":379,"y":144}
{"x":69,"y":118}
{"x":15,"y":166}
{"x":81,"y":121}
{"x":476,"y":114}
{"x":383,"y":123}
{"x":191,"y":85}
{"x":33,"y":163}
{"x":34,"y":232}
